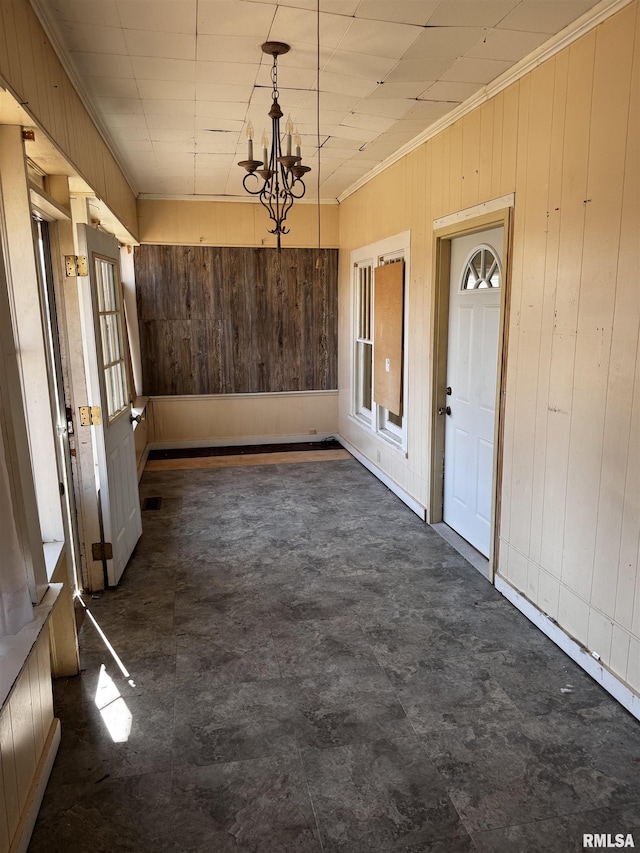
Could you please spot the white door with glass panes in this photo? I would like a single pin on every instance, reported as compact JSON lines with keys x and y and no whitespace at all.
{"x":472,"y":366}
{"x":107,"y":360}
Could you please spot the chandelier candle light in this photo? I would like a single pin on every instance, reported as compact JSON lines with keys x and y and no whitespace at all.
{"x":281,"y":174}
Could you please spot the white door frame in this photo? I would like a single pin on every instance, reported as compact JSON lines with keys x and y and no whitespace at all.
{"x":445,"y":230}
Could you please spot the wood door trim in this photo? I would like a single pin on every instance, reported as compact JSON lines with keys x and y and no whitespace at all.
{"x":441,"y":255}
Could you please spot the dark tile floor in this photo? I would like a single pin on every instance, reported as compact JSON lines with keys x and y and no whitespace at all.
{"x":302,"y":665}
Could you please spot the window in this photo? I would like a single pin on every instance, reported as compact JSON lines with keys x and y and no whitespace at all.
{"x":482,"y":269}
{"x":364,"y":342}
{"x":386,"y":424}
{"x":111,"y":337}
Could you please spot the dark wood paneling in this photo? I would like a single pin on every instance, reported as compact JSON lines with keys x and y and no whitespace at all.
{"x":230,"y":320}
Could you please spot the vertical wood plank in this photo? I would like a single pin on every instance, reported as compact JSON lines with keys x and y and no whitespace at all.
{"x":231,"y":320}
{"x":605,"y":178}
{"x":21,"y":716}
{"x":486,"y":143}
{"x":471,"y":139}
{"x":11,"y":801}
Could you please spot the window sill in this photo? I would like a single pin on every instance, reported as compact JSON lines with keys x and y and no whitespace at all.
{"x":53,"y":554}
{"x":387,"y":439}
{"x":16,"y":648}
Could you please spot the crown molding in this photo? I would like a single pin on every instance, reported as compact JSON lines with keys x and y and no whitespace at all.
{"x":571,"y":33}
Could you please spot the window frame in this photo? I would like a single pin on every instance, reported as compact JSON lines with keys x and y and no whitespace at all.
{"x":380,"y":424}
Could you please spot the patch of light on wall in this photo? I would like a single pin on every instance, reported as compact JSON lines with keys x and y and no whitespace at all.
{"x":114,"y":710}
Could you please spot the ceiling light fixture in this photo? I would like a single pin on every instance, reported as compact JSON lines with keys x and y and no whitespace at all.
{"x":281,"y":174}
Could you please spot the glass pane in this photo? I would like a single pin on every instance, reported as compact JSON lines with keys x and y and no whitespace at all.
{"x":366,"y":356}
{"x":395,"y":419}
{"x":481,"y":271}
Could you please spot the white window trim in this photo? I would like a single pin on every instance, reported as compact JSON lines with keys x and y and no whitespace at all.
{"x":399,"y":245}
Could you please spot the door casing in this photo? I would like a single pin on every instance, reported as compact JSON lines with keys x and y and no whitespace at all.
{"x":442,"y":238}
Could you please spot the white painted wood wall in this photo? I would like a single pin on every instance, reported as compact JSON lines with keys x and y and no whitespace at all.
{"x":565,"y":139}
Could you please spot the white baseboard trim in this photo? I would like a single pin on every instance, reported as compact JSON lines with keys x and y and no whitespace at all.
{"x":623,"y":694}
{"x":24,"y":830}
{"x":405,"y":497}
{"x":240,"y":442}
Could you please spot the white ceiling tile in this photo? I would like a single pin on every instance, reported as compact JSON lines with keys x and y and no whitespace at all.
{"x":397,"y":91}
{"x":112,"y":87}
{"x":385,"y":107}
{"x":360,"y":134}
{"x":176,"y":163}
{"x":299,"y":26}
{"x":334,"y":7}
{"x":379,"y":38}
{"x":412,"y":70}
{"x":104,"y":14}
{"x":368,"y":122}
{"x":166,"y":16}
{"x":172,"y":90}
{"x":210,"y":185}
{"x":172,"y":185}
{"x":204,"y":125}
{"x":340,"y":146}
{"x":467,"y":70}
{"x":301,"y":78}
{"x":136,"y":133}
{"x":545,"y":16}
{"x":454,"y":93}
{"x":228,"y":48}
{"x":471,"y":13}
{"x":80,"y":36}
{"x":168,"y":122}
{"x":217,"y":143}
{"x":102,"y":64}
{"x":444,"y":41}
{"x":172,"y":134}
{"x":403,"y":11}
{"x":506,"y":45}
{"x":427,"y":111}
{"x":213,"y":162}
{"x":164,"y":45}
{"x":153,"y":68}
{"x":129,"y":106}
{"x":163,"y":147}
{"x":169,"y":108}
{"x":235,"y":73}
{"x":123,"y":120}
{"x":342,"y":84}
{"x":138,"y":146}
{"x":235,"y":18}
{"x":218,"y":92}
{"x":360,"y":65}
{"x":220,"y":109}
{"x":300,"y":56}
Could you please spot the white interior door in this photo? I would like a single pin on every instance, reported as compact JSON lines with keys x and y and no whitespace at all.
{"x":472,"y":365}
{"x":107,"y":364}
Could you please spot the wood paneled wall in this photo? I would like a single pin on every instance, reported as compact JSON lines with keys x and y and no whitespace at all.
{"x":565,"y":138}
{"x":34,"y":74}
{"x":231,"y":320}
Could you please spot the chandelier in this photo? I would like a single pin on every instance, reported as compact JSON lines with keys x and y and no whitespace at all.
{"x":280,"y":180}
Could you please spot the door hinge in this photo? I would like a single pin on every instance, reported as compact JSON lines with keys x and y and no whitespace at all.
{"x":102,"y":551}
{"x":90,"y":416}
{"x":75,"y":265}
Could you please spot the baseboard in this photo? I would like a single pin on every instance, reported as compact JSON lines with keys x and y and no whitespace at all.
{"x":405,"y":497}
{"x":38,"y":786}
{"x":239,"y":442}
{"x":623,"y":694}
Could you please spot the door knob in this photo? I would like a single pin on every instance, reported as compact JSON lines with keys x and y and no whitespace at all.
{"x":444,"y":410}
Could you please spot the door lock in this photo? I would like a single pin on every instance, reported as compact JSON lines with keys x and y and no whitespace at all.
{"x":444,"y":410}
{"x":448,"y":390}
